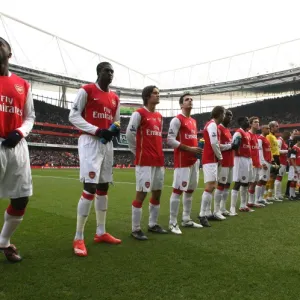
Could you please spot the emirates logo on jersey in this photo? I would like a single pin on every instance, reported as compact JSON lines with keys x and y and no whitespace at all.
{"x":19,"y":89}
{"x":114,"y":103}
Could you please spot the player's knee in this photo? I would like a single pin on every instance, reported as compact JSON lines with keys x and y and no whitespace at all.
{"x":189,"y":191}
{"x":19,"y":205}
{"x":102,"y":187}
{"x":90,"y":187}
{"x":177,"y":191}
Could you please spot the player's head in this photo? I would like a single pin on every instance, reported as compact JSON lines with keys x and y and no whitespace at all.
{"x":274,"y":127}
{"x":228,"y":117}
{"x":265,"y":129}
{"x":218,"y":113}
{"x":285,"y":135}
{"x":5,"y":50}
{"x":294,"y":133}
{"x":254,"y":123}
{"x":243,"y":122}
{"x":150,"y":95}
{"x":105,"y":73}
{"x":186,"y":101}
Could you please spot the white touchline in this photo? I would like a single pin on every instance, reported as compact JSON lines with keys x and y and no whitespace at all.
{"x":68,"y":178}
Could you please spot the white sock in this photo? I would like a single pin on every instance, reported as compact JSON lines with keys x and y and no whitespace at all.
{"x":263,"y":191}
{"x":187,"y":206}
{"x":292,"y":192}
{"x":153,"y":212}
{"x":258,"y":193}
{"x":217,"y":200}
{"x":224,"y":199}
{"x":83,"y":211}
{"x":174,"y":208}
{"x":136,"y":210}
{"x":251,"y":198}
{"x":100,"y":209}
{"x":243,"y":193}
{"x":205,"y":203}
{"x":10,"y":225}
{"x":234,"y":196}
{"x":208,"y":211}
{"x":277,"y":187}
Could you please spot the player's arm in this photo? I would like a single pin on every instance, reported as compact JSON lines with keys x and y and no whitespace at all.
{"x":16,"y":135}
{"x":236,"y":140}
{"x":225,"y":147}
{"x":213,"y":137}
{"x":261,"y":154}
{"x":117,"y":115}
{"x":280,"y":146}
{"x":131,"y":131}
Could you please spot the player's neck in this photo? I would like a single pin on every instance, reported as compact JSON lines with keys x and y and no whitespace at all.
{"x":252,"y":130}
{"x":151,"y":107}
{"x":225,"y":125}
{"x":3,"y":69}
{"x":103,"y":86}
{"x":186,"y":113}
{"x":217,"y":121}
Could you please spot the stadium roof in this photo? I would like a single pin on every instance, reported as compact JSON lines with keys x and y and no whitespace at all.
{"x":60,"y":62}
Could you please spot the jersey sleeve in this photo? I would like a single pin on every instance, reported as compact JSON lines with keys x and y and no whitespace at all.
{"x":131,"y":131}
{"x":173,"y":132}
{"x":28,"y":117}
{"x":280,"y":146}
{"x":261,"y":153}
{"x":117,"y":115}
{"x":75,"y":116}
{"x":212,"y":130}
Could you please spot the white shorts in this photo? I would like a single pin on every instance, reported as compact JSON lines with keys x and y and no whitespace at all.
{"x":292,"y":176}
{"x":186,"y":179}
{"x":265,"y":174}
{"x":254,"y":174}
{"x":241,"y":169}
{"x":225,"y":175}
{"x":96,"y":160}
{"x":149,"y":178}
{"x":15,"y":172}
{"x":210,"y":172}
{"x":282,"y":170}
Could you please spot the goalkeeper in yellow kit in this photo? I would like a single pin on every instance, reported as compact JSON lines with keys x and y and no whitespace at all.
{"x":274,"y":128}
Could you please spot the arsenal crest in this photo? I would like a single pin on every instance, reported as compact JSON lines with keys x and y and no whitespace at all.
{"x":223,"y":178}
{"x":92,"y":175}
{"x":19,"y":89}
{"x":244,"y":177}
{"x":147,"y":184}
{"x":184,"y":183}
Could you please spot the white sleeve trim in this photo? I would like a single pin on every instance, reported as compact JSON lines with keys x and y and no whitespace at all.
{"x":173,"y":132}
{"x":131,"y":131}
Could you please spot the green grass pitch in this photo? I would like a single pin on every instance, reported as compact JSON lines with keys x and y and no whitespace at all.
{"x":251,"y":256}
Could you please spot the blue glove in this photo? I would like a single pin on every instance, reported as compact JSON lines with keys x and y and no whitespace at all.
{"x":12,"y":140}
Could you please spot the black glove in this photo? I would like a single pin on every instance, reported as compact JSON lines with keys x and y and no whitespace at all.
{"x":106,"y":134}
{"x":12,"y":140}
{"x":234,"y":146}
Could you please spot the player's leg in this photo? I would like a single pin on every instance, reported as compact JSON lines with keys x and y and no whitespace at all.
{"x":293,"y":180}
{"x":222,"y":179}
{"x":224,"y":198}
{"x":210,"y":179}
{"x":278,"y":184}
{"x":235,"y":190}
{"x":157,"y":183}
{"x":188,"y":197}
{"x":101,"y":199}
{"x":143,"y":186}
{"x":245,"y":172}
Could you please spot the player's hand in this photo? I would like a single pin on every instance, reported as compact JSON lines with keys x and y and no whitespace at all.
{"x":220,"y":162}
{"x":12,"y":140}
{"x":196,"y":150}
{"x":106,"y":134}
{"x":265,"y":167}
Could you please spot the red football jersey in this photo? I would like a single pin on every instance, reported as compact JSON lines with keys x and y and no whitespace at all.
{"x":226,"y":138}
{"x":149,"y":147}
{"x":101,"y":106}
{"x":187,"y":135}
{"x":208,"y":152}
{"x":13,"y":95}
{"x":254,"y":150}
{"x":297,"y":155}
{"x":283,"y":156}
{"x":244,"y":149}
{"x":266,"y":147}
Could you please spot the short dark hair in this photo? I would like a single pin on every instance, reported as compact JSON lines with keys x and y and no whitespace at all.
{"x":264,"y":126}
{"x":252,"y":119}
{"x":7,"y":43}
{"x":240,"y":120}
{"x":101,"y":66}
{"x":146,"y":93}
{"x":217,"y":111}
{"x":187,"y":93}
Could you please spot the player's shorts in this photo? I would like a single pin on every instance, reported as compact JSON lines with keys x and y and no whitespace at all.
{"x":210,"y":172}
{"x":282,"y":170}
{"x":254,"y":174}
{"x":15,"y":172}
{"x":186,"y":179}
{"x":265,"y":174}
{"x":241,"y":169}
{"x":225,"y":175}
{"x":149,"y":178}
{"x":292,"y":176}
{"x":96,"y":160}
